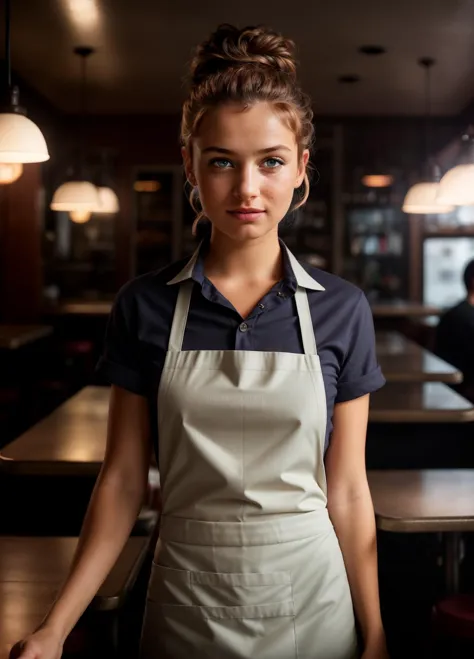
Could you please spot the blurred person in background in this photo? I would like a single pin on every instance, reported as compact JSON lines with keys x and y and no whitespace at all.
{"x":454,"y":340}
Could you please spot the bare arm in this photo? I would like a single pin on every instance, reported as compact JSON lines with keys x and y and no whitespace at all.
{"x":352,"y":513}
{"x":113,"y":509}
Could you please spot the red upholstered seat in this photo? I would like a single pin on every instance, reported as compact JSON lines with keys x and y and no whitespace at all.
{"x":454,"y":617}
{"x":79,"y":347}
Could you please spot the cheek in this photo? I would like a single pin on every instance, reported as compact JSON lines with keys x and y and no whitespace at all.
{"x":213,"y":191}
{"x":210,"y":180}
{"x":280,"y":186}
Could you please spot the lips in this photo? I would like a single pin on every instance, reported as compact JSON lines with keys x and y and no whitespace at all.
{"x":247,"y":214}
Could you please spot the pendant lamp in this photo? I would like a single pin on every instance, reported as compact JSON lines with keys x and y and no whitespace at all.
{"x":80,"y":194}
{"x":422,"y":198}
{"x":457,"y":185}
{"x":108,"y":200}
{"x":10,"y":172}
{"x":20,"y":139}
{"x":80,"y":217}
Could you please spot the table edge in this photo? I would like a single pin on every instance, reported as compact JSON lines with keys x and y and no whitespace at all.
{"x":423,"y":525}
{"x":417,"y":416}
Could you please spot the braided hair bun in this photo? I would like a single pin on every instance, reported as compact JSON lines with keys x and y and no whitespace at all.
{"x":229,"y":47}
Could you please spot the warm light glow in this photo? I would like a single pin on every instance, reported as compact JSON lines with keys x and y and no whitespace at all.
{"x":377,"y":180}
{"x":21,"y":140}
{"x":147,"y":186}
{"x":80,"y":217}
{"x":457,"y":186}
{"x":108,"y":201}
{"x":10,"y":172}
{"x":84,"y":13}
{"x":75,"y":196}
{"x":421,"y":199}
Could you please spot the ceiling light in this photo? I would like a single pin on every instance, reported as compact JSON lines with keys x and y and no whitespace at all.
{"x":83,"y":12}
{"x":80,"y":217}
{"x":372,"y":50}
{"x":422,"y":198}
{"x":75,"y":196}
{"x":79,"y":194}
{"x":20,"y":139}
{"x":349,"y":79}
{"x":146,"y":186}
{"x":377,"y":180}
{"x":457,"y":185}
{"x":10,"y":172}
{"x":107,"y":201}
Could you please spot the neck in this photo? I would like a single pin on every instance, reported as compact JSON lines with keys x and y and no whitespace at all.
{"x":252,"y":260}
{"x":470,"y":298}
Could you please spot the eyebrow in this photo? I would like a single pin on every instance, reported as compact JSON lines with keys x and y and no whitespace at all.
{"x":218,"y":149}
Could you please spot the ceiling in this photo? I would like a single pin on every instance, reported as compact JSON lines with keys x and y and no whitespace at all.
{"x":143,"y":46}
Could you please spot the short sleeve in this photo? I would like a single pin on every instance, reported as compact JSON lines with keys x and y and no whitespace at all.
{"x":360,"y":373}
{"x":121,"y":362}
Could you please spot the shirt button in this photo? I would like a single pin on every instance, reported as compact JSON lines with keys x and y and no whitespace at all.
{"x":280,"y":294}
{"x":243,"y":327}
{"x":261,"y":306}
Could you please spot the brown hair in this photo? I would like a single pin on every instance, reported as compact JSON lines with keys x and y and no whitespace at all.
{"x":247,"y":66}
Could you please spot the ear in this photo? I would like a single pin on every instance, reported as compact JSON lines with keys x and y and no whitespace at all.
{"x":302,"y":168}
{"x":188,"y":165}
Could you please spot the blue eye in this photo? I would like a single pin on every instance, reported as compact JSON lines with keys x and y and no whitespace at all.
{"x":220,"y":163}
{"x":273,"y":163}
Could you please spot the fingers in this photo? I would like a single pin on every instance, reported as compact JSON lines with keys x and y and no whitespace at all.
{"x":22,"y":651}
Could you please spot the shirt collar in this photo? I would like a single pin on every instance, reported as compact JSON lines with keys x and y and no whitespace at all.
{"x":293,"y":271}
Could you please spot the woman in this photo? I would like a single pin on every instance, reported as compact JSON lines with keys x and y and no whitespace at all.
{"x":257,"y":373}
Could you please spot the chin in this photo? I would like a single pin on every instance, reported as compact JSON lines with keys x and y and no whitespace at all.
{"x":242,"y":232}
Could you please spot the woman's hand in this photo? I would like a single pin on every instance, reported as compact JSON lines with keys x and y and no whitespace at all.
{"x":43,"y":644}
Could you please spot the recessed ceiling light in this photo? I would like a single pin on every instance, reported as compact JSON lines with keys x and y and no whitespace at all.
{"x":372,"y":50}
{"x":349,"y":79}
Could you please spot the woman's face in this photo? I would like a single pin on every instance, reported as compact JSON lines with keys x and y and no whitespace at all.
{"x":246,"y":167}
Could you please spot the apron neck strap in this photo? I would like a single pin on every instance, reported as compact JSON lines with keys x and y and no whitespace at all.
{"x":306,"y":322}
{"x":180,"y":317}
{"x":181,"y":312}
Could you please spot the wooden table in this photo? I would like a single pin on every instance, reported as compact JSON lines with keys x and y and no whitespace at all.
{"x":427,"y":501}
{"x":402,"y":360}
{"x":70,"y":441}
{"x":419,"y":402}
{"x":13,"y":337}
{"x":63,"y":453}
{"x":403,"y":309}
{"x":79,"y":308}
{"x":32,"y":570}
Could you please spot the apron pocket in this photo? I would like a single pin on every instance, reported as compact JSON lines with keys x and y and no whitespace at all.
{"x":216,"y":591}
{"x":241,"y":591}
{"x":219,"y":615}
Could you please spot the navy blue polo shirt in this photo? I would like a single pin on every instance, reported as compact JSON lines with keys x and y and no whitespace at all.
{"x":139,"y":327}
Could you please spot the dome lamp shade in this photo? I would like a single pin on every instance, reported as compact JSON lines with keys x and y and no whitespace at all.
{"x":75,"y":196}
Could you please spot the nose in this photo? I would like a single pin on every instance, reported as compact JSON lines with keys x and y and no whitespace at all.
{"x":246,"y":183}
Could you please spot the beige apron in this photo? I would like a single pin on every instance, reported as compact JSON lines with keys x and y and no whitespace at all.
{"x":248,"y":565}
